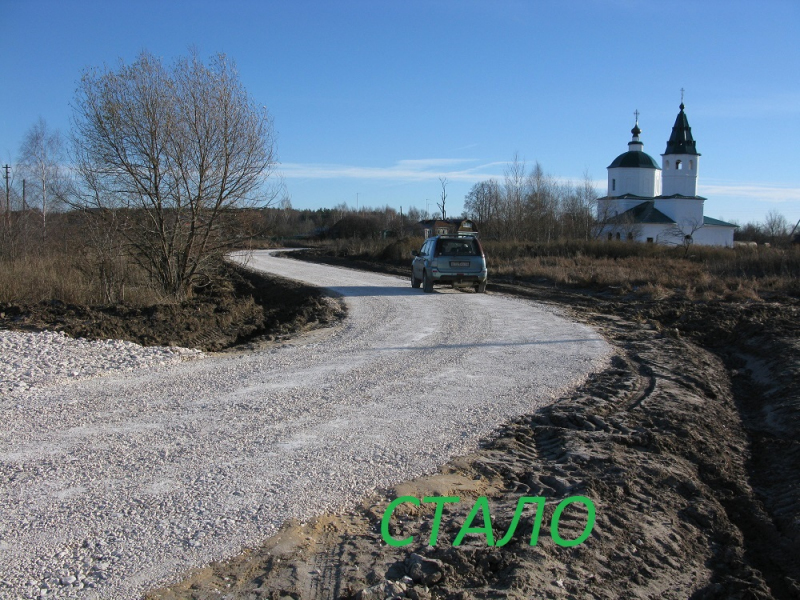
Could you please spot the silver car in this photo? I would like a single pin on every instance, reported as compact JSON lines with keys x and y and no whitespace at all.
{"x":457,"y":260}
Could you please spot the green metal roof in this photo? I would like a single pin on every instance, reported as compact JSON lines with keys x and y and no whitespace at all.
{"x":644,"y":213}
{"x":681,"y":140}
{"x":717,"y":222}
{"x":635,"y":159}
{"x":681,"y":196}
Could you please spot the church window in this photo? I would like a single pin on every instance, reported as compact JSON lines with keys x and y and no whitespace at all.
{"x":649,"y":240}
{"x":678,"y":165}
{"x":618,"y":236}
{"x":610,"y":236}
{"x":691,"y":165}
{"x":666,"y":164}
{"x":630,"y":236}
{"x":613,"y":185}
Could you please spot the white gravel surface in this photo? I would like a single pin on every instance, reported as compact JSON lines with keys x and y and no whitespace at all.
{"x":47,"y":358}
{"x":112,"y":485}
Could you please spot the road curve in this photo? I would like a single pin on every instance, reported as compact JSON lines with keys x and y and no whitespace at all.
{"x":111,"y":486}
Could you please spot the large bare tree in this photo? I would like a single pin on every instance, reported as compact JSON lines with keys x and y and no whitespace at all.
{"x":177,"y":147}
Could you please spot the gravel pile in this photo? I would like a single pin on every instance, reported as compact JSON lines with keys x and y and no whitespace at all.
{"x":113,"y":485}
{"x":50,"y":357}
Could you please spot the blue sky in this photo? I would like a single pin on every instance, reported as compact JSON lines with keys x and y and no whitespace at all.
{"x":373,"y":101}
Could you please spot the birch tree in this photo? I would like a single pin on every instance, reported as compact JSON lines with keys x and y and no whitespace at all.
{"x":41,"y":158}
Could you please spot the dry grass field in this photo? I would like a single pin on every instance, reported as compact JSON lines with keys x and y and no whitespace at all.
{"x":701,"y":273}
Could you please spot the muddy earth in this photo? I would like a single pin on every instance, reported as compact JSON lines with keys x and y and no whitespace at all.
{"x":687,"y":446}
{"x":240,"y":308}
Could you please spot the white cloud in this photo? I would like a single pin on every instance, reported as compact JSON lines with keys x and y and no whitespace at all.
{"x":758,"y":192}
{"x":455,"y":169}
{"x":472,"y":171}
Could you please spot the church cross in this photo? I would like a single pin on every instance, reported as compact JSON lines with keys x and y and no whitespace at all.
{"x":636,"y":114}
{"x":682,"y":90}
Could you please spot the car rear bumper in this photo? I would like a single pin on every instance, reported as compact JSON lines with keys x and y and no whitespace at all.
{"x":460,"y":278}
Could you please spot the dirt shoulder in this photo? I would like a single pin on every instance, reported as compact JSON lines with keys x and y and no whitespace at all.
{"x":687,"y":445}
{"x":242,"y":307}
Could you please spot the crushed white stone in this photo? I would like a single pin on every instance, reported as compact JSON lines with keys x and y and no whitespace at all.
{"x":46,"y":358}
{"x":112,"y":485}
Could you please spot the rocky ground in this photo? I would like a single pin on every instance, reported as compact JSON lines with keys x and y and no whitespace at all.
{"x":687,"y":445}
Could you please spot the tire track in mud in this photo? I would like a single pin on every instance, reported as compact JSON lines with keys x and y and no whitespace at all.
{"x":655,"y":440}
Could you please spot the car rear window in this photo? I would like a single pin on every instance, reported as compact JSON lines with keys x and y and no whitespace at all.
{"x":461,"y":247}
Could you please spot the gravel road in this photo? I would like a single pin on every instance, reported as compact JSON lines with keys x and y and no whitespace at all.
{"x":113,"y":484}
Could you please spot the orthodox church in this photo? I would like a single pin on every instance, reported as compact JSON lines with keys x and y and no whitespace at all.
{"x":648,"y":203}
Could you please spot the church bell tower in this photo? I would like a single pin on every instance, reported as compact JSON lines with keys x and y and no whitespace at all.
{"x":679,"y":163}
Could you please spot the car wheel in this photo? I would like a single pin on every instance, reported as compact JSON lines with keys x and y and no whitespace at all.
{"x":414,"y":281}
{"x":427,"y":282}
{"x":481,"y":289}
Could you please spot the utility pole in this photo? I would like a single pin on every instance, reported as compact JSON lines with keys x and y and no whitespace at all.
{"x":8,"y":201}
{"x":796,"y":225}
{"x":23,"y":219}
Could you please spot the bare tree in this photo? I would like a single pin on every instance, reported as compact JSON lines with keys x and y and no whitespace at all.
{"x":178,"y":147}
{"x":443,"y":181}
{"x":682,"y":235}
{"x":540,"y":205}
{"x":41,"y":157}
{"x":481,"y":204}
{"x":776,"y":226}
{"x":512,"y":206}
{"x":586,"y":205}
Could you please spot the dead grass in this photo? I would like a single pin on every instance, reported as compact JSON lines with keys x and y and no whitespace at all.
{"x":702,"y":273}
{"x":58,"y":276}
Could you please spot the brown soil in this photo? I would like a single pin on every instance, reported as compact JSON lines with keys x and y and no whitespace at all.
{"x":241,"y":307}
{"x":687,"y":445}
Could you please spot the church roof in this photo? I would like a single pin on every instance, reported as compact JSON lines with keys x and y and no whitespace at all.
{"x":643,"y":213}
{"x":717,"y":222}
{"x":681,"y":140}
{"x":635,"y":159}
{"x":681,"y":196}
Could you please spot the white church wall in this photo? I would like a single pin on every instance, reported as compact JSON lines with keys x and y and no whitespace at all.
{"x":610,"y":207}
{"x":652,"y":234}
{"x":638,"y":181}
{"x":687,"y":212}
{"x":615,"y":206}
{"x":712,"y":235}
{"x":681,"y":180}
{"x":668,"y":235}
{"x":637,"y":232}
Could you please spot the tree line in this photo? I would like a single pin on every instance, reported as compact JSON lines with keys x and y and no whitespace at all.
{"x":531,"y":205}
{"x":170,"y":165}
